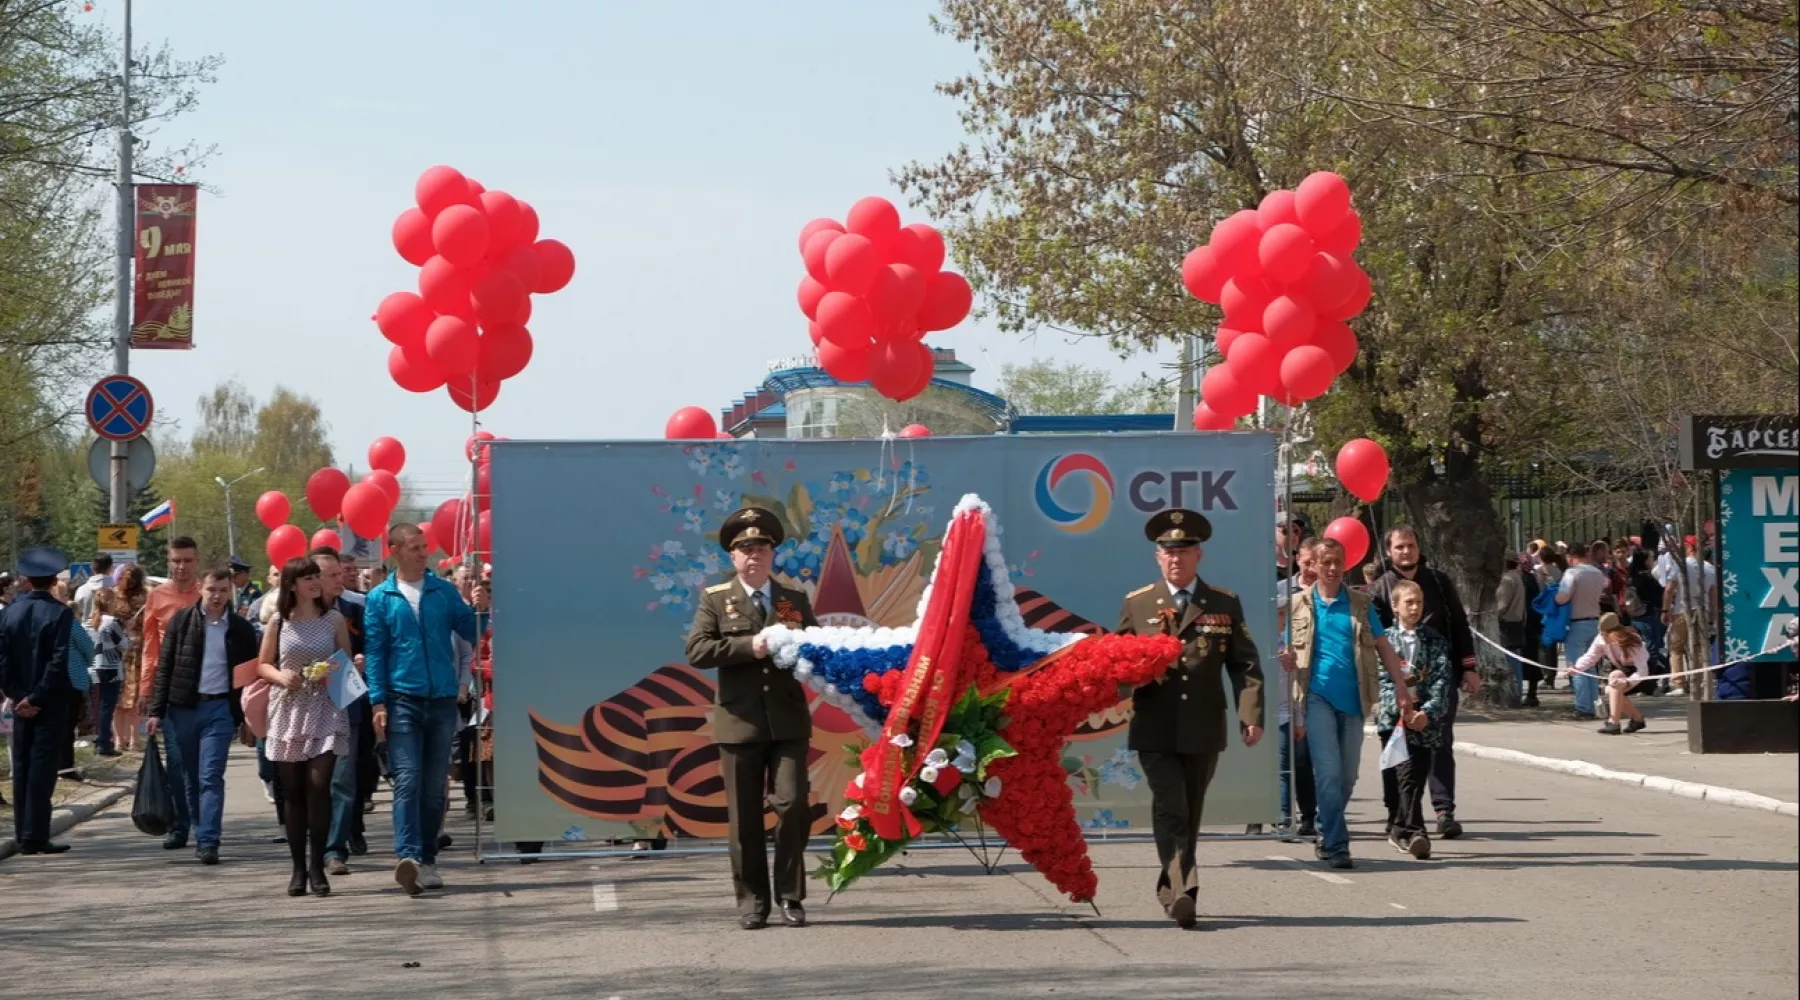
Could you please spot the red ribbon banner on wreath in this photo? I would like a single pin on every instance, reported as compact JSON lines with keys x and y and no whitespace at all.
{"x":932,"y":681}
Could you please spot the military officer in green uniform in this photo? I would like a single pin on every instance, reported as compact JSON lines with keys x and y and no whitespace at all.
{"x":1178,"y":725}
{"x":762,"y":724}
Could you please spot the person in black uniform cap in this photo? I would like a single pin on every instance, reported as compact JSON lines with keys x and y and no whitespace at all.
{"x":34,"y":676}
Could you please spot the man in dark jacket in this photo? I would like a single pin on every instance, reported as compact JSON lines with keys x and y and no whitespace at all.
{"x":34,"y":676}
{"x":1444,"y":613}
{"x":194,"y":694}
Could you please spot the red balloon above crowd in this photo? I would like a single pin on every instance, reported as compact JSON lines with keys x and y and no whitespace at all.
{"x":1283,"y":274}
{"x":871,"y":292}
{"x":480,"y":260}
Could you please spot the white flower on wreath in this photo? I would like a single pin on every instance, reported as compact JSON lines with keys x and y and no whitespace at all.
{"x":937,"y":758}
{"x":901,"y":740}
{"x":991,"y":787}
{"x":929,"y":775}
{"x":909,"y":795}
{"x":851,"y":813}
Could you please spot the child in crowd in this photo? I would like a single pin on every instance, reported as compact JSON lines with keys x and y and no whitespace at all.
{"x":1427,"y":658}
{"x":1621,"y":648}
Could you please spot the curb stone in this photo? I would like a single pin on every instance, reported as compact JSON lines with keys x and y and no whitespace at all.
{"x":1684,"y":789}
{"x":72,"y":814}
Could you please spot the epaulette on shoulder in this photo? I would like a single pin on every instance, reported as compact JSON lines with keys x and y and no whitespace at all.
{"x":1221,"y":591}
{"x":718,"y":588}
{"x":1141,"y":591}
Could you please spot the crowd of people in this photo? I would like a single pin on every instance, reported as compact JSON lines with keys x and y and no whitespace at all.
{"x":125,"y":662}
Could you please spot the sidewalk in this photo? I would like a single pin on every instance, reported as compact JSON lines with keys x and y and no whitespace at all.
{"x":1659,"y":751}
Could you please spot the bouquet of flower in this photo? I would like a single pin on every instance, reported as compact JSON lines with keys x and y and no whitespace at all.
{"x":310,"y":675}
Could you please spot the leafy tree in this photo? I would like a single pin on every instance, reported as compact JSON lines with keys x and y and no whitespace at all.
{"x":1043,"y":386}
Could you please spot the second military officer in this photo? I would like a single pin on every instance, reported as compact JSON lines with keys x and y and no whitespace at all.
{"x":1178,"y":725}
{"x":762,"y":724}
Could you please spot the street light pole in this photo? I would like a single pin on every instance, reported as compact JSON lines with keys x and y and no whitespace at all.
{"x":124,"y":249}
{"x":231,"y":512}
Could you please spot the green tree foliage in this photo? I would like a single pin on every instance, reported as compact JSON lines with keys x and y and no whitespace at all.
{"x":1043,"y":386}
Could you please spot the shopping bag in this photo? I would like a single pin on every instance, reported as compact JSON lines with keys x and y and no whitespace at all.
{"x":1395,"y":754}
{"x":152,"y":809}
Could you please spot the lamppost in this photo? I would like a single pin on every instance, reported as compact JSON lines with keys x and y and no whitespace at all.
{"x":230,"y":514}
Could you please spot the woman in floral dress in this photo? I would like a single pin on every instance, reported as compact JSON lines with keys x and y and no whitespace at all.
{"x":307,"y":730}
{"x":131,"y":595}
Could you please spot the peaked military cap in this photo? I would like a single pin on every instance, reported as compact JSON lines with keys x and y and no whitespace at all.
{"x":1177,"y":528}
{"x":751,"y":524}
{"x":41,"y":562}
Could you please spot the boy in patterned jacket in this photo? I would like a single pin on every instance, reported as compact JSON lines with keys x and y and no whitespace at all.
{"x":1427,"y":658}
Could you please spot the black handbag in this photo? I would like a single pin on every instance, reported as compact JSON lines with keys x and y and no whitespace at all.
{"x":152,"y":808}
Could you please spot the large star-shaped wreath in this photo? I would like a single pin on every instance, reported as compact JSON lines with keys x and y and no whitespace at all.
{"x":968,"y":711}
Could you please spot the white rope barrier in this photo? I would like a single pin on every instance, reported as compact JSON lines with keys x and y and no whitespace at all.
{"x":1568,"y":670}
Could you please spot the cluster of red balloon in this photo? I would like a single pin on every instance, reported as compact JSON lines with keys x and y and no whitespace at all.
{"x":364,"y":506}
{"x":480,"y":261}
{"x":456,"y":527}
{"x":1362,"y":466}
{"x":872,"y":290}
{"x":1285,"y":278}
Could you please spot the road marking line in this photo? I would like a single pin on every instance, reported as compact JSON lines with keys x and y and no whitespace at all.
{"x":1321,"y":876}
{"x":606,"y":898}
{"x":1397,"y":906}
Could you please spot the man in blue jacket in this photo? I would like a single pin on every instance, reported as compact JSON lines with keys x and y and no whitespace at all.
{"x":34,"y":676}
{"x":413,"y":687}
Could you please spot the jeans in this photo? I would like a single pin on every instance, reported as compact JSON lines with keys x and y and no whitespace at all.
{"x":203,"y":735}
{"x":1585,"y":686}
{"x":1335,"y":741}
{"x":1302,"y":783}
{"x":109,"y":704}
{"x":177,"y":772}
{"x":420,"y":732}
{"x":346,"y":803}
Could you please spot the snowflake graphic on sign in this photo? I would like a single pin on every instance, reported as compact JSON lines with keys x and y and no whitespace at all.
{"x":1737,"y":649}
{"x":1730,"y":586}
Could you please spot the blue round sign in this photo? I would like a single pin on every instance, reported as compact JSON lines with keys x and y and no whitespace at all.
{"x":119,"y":408}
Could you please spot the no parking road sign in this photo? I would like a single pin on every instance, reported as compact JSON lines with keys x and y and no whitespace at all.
{"x":119,"y":408}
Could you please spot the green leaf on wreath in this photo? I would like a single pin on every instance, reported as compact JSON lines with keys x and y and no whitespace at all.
{"x":989,"y":748}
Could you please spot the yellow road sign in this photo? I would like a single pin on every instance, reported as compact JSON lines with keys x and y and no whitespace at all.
{"x":118,"y":536}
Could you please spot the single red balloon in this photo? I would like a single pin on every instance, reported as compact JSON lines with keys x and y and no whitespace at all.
{"x":460,"y":234}
{"x":1321,"y":202}
{"x":813,"y":253}
{"x":285,"y":544}
{"x":454,"y":348}
{"x":325,"y":492}
{"x":497,"y":297}
{"x":1361,"y":292}
{"x":915,"y":431}
{"x":1307,"y":371}
{"x":505,"y":351}
{"x":528,"y":223}
{"x":812,"y":331}
{"x":849,"y":366}
{"x":927,"y":369}
{"x":1203,"y":275}
{"x":484,"y":481}
{"x":1350,"y":533}
{"x":947,"y":301}
{"x":1223,"y":338}
{"x":559,"y":265}
{"x":484,"y":535}
{"x":325,"y":538}
{"x":402,"y":318}
{"x":475,"y":448}
{"x":1206,"y":420}
{"x":873,"y":217}
{"x":473,"y":399}
{"x":524,"y":264}
{"x":388,"y":484}
{"x":1337,"y":340}
{"x":897,"y":293}
{"x":1286,"y":252}
{"x":1221,"y":392}
{"x":1255,"y":363}
{"x":1327,"y":283}
{"x":845,"y":320}
{"x":690,"y":423}
{"x":810,"y":292}
{"x":431,"y":543}
{"x":506,"y":224}
{"x":1244,"y":300}
{"x":1276,"y":208}
{"x":1289,"y":323}
{"x":439,"y":188}
{"x":445,"y":288}
{"x":1362,"y":466}
{"x":818,"y":226}
{"x":412,"y":368}
{"x":921,"y":246}
{"x":1234,"y":241}
{"x":366,"y":509}
{"x":412,"y":236}
{"x":446,"y":526}
{"x":895,"y":368}
{"x":388,"y":455}
{"x":850,"y":263}
{"x":273,"y":508}
{"x":477,"y":189}
{"x":1347,"y":236}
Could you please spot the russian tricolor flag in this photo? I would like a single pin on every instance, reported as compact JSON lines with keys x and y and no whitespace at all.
{"x":160,"y":516}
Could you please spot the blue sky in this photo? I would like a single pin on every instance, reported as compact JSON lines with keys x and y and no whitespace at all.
{"x":677,"y":148}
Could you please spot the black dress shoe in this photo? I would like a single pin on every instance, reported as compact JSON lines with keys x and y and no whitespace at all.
{"x":47,"y":847}
{"x":174,"y":842}
{"x":1184,"y":911}
{"x":297,"y":884}
{"x":445,"y":840}
{"x":208,"y":855}
{"x":359,"y":845}
{"x":753,"y":921}
{"x":1448,"y":827}
{"x":792,"y":913}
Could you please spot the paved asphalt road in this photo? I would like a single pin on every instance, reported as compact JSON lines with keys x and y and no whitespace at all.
{"x":1565,"y":886}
